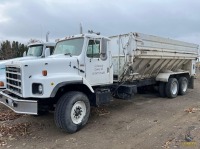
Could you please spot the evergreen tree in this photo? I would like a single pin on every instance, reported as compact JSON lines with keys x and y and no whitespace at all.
{"x":22,"y":48}
{"x":8,"y":50}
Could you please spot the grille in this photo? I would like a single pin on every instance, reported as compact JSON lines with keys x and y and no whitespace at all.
{"x":13,"y":78}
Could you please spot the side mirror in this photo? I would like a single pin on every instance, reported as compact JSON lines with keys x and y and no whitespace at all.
{"x":47,"y":52}
{"x":103,"y":52}
{"x":24,"y":54}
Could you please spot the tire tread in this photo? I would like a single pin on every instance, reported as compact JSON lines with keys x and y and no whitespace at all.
{"x":60,"y":112}
{"x":168,"y":88}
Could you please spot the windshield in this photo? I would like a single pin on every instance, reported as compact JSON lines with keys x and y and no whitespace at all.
{"x":71,"y":47}
{"x":35,"y":50}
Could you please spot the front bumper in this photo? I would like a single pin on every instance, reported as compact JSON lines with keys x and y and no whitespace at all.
{"x":19,"y":105}
{"x":1,"y":89}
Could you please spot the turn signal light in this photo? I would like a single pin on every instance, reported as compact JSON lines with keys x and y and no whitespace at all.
{"x":1,"y":84}
{"x":44,"y":72}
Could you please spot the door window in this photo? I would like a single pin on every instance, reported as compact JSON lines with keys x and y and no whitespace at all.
{"x":93,"y":50}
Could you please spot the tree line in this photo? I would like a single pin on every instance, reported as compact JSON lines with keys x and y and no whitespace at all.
{"x":12,"y":49}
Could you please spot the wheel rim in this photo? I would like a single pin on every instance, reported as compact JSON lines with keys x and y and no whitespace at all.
{"x":184,"y":86}
{"x":174,"y":88}
{"x":78,"y":112}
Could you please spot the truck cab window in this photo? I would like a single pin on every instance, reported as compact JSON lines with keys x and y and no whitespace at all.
{"x":93,"y":50}
{"x":35,"y":50}
{"x":71,"y":46}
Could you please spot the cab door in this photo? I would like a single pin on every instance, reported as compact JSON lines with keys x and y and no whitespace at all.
{"x":97,"y":65}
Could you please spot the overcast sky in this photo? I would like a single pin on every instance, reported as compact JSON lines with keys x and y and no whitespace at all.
{"x":25,"y":19}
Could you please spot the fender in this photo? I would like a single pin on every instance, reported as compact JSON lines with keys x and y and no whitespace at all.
{"x":88,"y":85}
{"x":84,"y":81}
{"x":164,"y":77}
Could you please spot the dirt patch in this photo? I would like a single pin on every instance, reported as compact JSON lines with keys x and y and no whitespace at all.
{"x":11,"y":132}
{"x":188,"y":137}
{"x":20,"y":129}
{"x":8,"y":115}
{"x":100,"y":111}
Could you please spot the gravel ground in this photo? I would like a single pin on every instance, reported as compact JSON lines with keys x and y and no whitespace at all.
{"x":145,"y":122}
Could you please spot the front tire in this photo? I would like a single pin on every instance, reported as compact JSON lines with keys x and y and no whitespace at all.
{"x":183,"y":85}
{"x":172,"y":88}
{"x":72,"y":111}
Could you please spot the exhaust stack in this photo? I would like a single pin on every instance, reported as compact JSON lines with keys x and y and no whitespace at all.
{"x":81,"y":29}
{"x":47,"y":36}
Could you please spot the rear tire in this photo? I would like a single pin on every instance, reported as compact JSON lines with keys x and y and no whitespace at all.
{"x":183,"y":85}
{"x":172,"y":88}
{"x":161,"y":89}
{"x":72,"y":111}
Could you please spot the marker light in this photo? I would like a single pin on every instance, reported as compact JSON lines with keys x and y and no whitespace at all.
{"x":1,"y":84}
{"x":44,"y":72}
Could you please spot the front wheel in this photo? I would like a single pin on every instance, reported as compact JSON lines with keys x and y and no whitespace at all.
{"x":72,"y":111}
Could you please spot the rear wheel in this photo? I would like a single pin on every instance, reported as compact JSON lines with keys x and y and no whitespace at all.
{"x":183,"y":85}
{"x":161,"y":89}
{"x":172,"y":88}
{"x":72,"y":111}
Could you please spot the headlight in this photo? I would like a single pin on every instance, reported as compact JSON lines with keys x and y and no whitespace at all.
{"x":37,"y":88}
{"x":40,"y":88}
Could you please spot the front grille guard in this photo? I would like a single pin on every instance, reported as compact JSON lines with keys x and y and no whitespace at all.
{"x":13,"y":80}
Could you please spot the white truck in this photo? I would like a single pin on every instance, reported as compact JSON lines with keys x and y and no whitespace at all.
{"x":35,"y":50}
{"x":88,"y":69}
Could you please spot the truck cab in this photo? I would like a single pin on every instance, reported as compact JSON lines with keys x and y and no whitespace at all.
{"x":35,"y":51}
{"x":79,"y":58}
{"x":38,"y":49}
{"x":77,"y":67}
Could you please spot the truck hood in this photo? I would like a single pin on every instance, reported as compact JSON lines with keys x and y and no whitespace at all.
{"x":23,"y":58}
{"x":49,"y":59}
{"x":53,"y":64}
{"x":3,"y":63}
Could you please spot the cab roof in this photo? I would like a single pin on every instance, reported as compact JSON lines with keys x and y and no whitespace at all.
{"x":43,"y":43}
{"x":82,"y":35}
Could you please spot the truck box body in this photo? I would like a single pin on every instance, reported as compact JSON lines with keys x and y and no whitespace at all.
{"x":138,"y":56}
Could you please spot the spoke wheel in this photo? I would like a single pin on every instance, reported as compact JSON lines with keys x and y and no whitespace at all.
{"x":72,"y":111}
{"x":183,"y":85}
{"x":172,"y":87}
{"x":78,"y":112}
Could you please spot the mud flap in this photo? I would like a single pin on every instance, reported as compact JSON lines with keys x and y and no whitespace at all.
{"x":103,"y":96}
{"x":191,"y":82}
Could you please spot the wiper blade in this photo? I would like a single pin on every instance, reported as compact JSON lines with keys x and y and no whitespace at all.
{"x":68,"y":54}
